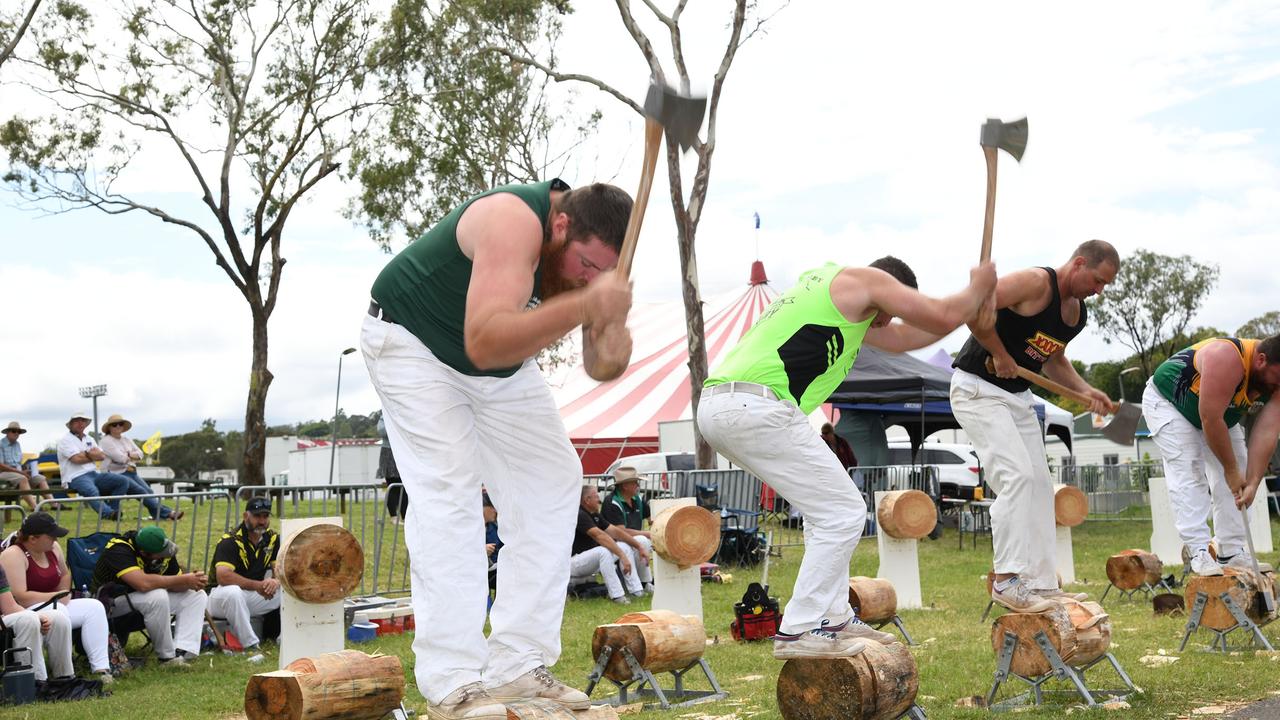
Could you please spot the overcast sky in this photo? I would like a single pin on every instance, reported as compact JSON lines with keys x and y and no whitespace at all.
{"x":851,"y":128}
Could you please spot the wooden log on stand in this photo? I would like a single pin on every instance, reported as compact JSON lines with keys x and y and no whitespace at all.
{"x":660,"y":640}
{"x":685,"y":535}
{"x":1129,"y":569}
{"x":906,"y":514}
{"x":1093,"y":632}
{"x":348,"y":684}
{"x":880,"y":683}
{"x":1070,"y":506}
{"x":320,"y":564}
{"x":874,"y":599}
{"x":1028,"y":660}
{"x":1242,"y":586}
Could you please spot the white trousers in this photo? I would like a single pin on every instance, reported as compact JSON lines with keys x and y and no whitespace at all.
{"x":644,"y":568}
{"x":237,"y":605}
{"x":585,"y":565}
{"x":90,"y":617}
{"x":1007,"y":435}
{"x":1195,"y":478}
{"x":156,"y":606}
{"x":57,"y":643}
{"x":452,"y":433}
{"x":773,"y":440}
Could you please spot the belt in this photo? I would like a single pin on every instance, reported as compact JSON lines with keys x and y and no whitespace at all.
{"x":743,"y":387}
{"x":376,"y":311}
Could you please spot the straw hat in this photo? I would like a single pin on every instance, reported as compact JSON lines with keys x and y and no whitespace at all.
{"x":14,"y":426}
{"x":116,"y":419}
{"x":625,"y":474}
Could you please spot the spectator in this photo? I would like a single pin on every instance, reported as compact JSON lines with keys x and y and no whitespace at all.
{"x":38,"y":572}
{"x":242,"y":562}
{"x":122,"y":458}
{"x":142,"y":561}
{"x":397,"y":498}
{"x":627,"y":509}
{"x":11,"y":469}
{"x":839,"y":446}
{"x":600,"y":547}
{"x":492,"y":543}
{"x":77,"y":458}
{"x":28,"y":626}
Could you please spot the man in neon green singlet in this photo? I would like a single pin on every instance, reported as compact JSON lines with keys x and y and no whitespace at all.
{"x":754,"y":411}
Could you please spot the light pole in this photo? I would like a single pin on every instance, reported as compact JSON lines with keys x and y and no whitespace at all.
{"x":333,"y":449}
{"x":95,"y":392}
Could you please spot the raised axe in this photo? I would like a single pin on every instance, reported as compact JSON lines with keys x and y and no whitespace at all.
{"x":1124,"y":421}
{"x":997,"y":135}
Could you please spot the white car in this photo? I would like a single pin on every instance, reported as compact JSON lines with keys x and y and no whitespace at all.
{"x":959,"y":472}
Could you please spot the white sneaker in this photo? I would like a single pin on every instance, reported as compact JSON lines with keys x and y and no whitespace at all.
{"x":1060,"y":594}
{"x":540,"y":683}
{"x":469,"y":702}
{"x":855,"y":628}
{"x":648,"y":587}
{"x":1244,"y":561}
{"x":621,"y":600}
{"x":819,"y":642}
{"x":1018,"y":597}
{"x":1203,"y":564}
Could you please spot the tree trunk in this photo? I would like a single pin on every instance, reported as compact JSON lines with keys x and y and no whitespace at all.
{"x":880,"y":683}
{"x":347,"y":684}
{"x":705,"y":456}
{"x":320,"y":564}
{"x":874,"y":599}
{"x":659,"y":640}
{"x":255,"y":425}
{"x":686,"y":535}
{"x":1129,"y":569}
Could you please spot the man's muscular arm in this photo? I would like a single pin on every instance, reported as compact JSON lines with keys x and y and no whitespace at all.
{"x":859,"y":291}
{"x":1262,"y":443}
{"x":1012,"y":290}
{"x":1059,"y":368}
{"x":1220,"y":373}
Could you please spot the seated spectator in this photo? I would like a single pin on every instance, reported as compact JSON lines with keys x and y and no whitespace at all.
{"x":78,"y":456}
{"x":37,"y":571}
{"x":122,"y":458}
{"x":11,"y":469}
{"x":242,"y":563}
{"x":142,"y":561}
{"x":599,"y":547}
{"x":627,"y":509}
{"x":28,"y":626}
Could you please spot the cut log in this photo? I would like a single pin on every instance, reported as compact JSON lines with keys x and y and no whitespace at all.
{"x":685,"y":535}
{"x":1130,"y":569}
{"x":660,"y":640}
{"x":880,"y":683}
{"x":1093,"y":632}
{"x":906,"y":514}
{"x":320,"y":564}
{"x":874,"y":599}
{"x":1028,"y":661}
{"x":1070,"y":506}
{"x":347,"y":684}
{"x":541,"y":709}
{"x":1243,"y":587}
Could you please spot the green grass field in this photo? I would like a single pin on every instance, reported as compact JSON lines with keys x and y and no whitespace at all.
{"x":954,"y":652}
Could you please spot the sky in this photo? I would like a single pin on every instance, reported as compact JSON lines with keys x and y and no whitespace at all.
{"x":851,"y":128}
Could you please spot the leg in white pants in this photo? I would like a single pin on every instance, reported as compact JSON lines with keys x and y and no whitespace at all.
{"x":453,"y":433}
{"x":154,"y":606}
{"x":585,"y":565}
{"x":238,"y":605}
{"x":188,"y":607}
{"x":26,"y":634}
{"x":90,"y":617}
{"x":632,"y":579}
{"x":57,"y":642}
{"x":773,"y":440}
{"x":645,"y":568}
{"x":1194,"y":476}
{"x":1006,"y":433}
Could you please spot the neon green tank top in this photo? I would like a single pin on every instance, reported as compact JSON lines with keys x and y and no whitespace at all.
{"x":802,"y":348}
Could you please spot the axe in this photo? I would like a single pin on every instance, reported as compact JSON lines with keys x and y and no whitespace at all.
{"x":997,"y":135}
{"x":1265,"y":598}
{"x":1124,"y":423}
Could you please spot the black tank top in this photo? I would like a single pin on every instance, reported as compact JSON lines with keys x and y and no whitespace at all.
{"x":1030,"y":340}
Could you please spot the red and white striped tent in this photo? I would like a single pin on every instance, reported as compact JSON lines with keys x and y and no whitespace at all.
{"x":610,"y":420}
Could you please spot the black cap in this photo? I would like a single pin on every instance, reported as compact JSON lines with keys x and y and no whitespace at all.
{"x":42,"y":523}
{"x":258,"y":506}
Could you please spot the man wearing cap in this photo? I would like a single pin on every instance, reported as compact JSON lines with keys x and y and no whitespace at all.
{"x":626,"y":508}
{"x":143,"y":561}
{"x":78,"y":456}
{"x":11,"y":470}
{"x":242,"y":562}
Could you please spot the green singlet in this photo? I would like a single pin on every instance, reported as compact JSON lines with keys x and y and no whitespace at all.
{"x":802,"y":348}
{"x":1178,"y":381}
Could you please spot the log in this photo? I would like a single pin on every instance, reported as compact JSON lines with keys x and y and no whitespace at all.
{"x":1168,"y":604}
{"x":874,"y":599}
{"x":880,"y":683}
{"x":320,"y":564}
{"x":1093,"y":632}
{"x":660,"y":640}
{"x":906,"y":514}
{"x":1130,"y":569}
{"x":542,"y":709}
{"x":1243,"y":586}
{"x":685,"y":535}
{"x":1028,"y":661}
{"x":1070,"y":506}
{"x":347,"y":684}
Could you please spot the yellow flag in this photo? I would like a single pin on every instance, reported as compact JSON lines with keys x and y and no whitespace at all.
{"x":152,"y":444}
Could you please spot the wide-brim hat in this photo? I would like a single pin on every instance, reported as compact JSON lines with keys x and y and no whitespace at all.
{"x":116,"y":419}
{"x":78,"y":416}
{"x":625,"y":474}
{"x":15,"y":426}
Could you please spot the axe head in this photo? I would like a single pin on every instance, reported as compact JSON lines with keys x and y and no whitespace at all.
{"x":679,"y":115}
{"x":1009,"y":137}
{"x":1123,"y":424}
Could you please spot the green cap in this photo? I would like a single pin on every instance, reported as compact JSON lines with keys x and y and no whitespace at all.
{"x":151,"y":539}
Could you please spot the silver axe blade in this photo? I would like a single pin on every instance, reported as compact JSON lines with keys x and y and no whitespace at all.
{"x":1268,"y":600}
{"x":1123,"y":424}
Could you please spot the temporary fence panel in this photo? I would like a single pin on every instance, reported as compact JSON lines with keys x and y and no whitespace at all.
{"x":5,"y":511}
{"x":1110,"y":489}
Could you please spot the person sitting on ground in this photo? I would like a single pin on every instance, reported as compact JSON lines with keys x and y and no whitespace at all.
{"x":627,"y":509}
{"x":122,"y":458}
{"x":242,"y":562}
{"x":11,"y":468}
{"x":78,"y":456}
{"x":143,"y":561}
{"x":599,"y":546}
{"x":28,"y":626}
{"x":37,"y":573}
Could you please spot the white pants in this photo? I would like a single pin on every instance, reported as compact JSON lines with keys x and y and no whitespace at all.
{"x":1007,"y":435}
{"x":644,"y":569}
{"x":773,"y":440}
{"x":90,"y":617}
{"x":1194,"y":476}
{"x":585,"y":565}
{"x":237,"y":606}
{"x":157,"y":606}
{"x":26,"y":633}
{"x":451,"y":433}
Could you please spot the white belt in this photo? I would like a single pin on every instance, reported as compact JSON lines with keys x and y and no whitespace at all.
{"x":742,"y":387}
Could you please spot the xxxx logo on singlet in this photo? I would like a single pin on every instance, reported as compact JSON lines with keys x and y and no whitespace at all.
{"x":1040,"y":346}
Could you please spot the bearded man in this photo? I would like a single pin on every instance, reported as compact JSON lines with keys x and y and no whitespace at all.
{"x":455,"y":322}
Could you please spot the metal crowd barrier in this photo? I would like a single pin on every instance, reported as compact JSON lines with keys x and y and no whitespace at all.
{"x":1111,"y":489}
{"x":4,"y":517}
{"x":652,"y":485}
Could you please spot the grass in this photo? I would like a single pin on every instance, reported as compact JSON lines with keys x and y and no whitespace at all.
{"x":954,"y":655}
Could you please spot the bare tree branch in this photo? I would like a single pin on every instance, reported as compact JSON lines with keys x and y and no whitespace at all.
{"x":7,"y":51}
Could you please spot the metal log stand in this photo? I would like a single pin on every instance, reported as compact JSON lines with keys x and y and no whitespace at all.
{"x":1061,"y":671}
{"x":897,"y":622}
{"x":1146,"y":589}
{"x":1253,"y":629}
{"x":677,"y":696}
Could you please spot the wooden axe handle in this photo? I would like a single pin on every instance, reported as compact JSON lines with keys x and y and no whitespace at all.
{"x":1047,"y":384}
{"x":989,"y":220}
{"x":652,"y":141}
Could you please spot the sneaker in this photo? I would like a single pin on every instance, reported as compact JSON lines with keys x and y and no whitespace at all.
{"x":1060,"y":594}
{"x":540,"y":683}
{"x":623,"y":600}
{"x":855,"y":628}
{"x":648,"y":587}
{"x":176,"y":661}
{"x":1018,"y":597}
{"x":470,"y":702}
{"x":104,"y":677}
{"x":1244,"y":561}
{"x":820,"y":642}
{"x":1202,"y":563}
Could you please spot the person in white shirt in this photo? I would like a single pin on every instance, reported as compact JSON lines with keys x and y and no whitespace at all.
{"x":122,"y":458}
{"x":78,"y":456}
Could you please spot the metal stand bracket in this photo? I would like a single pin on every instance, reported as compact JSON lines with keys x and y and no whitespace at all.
{"x":1059,"y":670}
{"x":1146,"y":589}
{"x":1257,"y":640}
{"x":677,"y":696}
{"x":897,"y":622}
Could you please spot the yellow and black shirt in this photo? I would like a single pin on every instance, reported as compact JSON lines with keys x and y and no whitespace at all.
{"x":236,"y":551}
{"x":121,"y":556}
